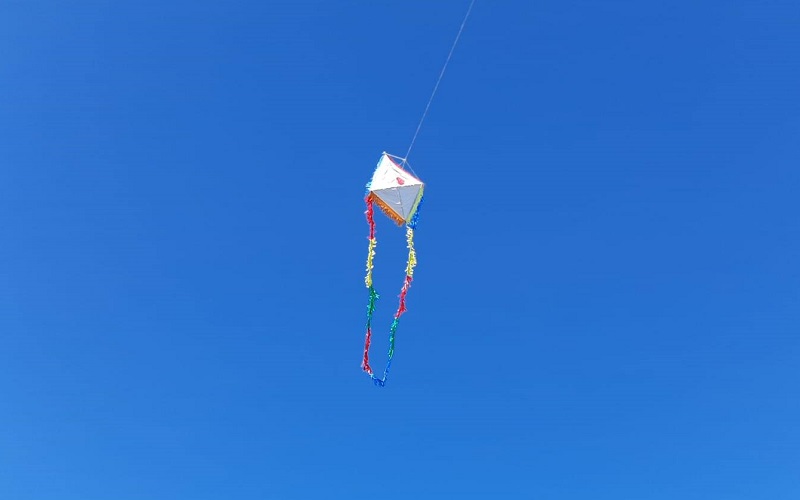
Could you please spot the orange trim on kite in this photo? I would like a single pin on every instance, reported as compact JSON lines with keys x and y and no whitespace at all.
{"x":386,"y":210}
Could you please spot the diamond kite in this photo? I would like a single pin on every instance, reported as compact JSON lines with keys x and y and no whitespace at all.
{"x":398,"y":194}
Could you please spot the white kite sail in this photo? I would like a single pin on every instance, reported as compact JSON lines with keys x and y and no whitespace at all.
{"x":395,"y":190}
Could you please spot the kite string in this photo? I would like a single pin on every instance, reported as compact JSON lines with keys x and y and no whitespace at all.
{"x":441,"y":75}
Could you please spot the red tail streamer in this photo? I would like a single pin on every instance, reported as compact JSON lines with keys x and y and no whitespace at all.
{"x":370,"y":217}
{"x":402,"y":307}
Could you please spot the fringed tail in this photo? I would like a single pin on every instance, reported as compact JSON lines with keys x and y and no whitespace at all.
{"x":373,"y":295}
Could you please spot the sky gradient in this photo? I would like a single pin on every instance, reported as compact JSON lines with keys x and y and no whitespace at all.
{"x":606,"y":300}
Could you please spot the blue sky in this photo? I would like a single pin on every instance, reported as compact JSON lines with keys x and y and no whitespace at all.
{"x":606,"y":302}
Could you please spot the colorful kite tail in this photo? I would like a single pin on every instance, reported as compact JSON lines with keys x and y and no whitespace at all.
{"x":373,"y":295}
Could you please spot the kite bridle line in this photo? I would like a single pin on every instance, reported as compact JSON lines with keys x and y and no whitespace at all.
{"x":373,"y":295}
{"x":439,"y":80}
{"x":403,"y":163}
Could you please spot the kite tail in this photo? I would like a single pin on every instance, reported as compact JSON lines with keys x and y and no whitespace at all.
{"x":373,"y":295}
{"x":401,"y":308}
{"x":411,"y":263}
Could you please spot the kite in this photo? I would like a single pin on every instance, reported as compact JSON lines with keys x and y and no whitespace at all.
{"x":398,"y":194}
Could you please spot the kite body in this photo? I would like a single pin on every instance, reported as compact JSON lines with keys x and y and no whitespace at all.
{"x":398,"y":194}
{"x":395,"y":191}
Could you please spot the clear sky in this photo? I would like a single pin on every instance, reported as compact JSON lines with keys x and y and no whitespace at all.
{"x":606,"y":302}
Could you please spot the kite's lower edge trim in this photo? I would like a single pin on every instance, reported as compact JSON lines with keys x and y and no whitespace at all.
{"x":373,"y":295}
{"x":386,"y":210}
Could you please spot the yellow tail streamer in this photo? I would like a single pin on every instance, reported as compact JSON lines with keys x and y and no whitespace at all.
{"x":412,"y":254}
{"x":370,"y":257}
